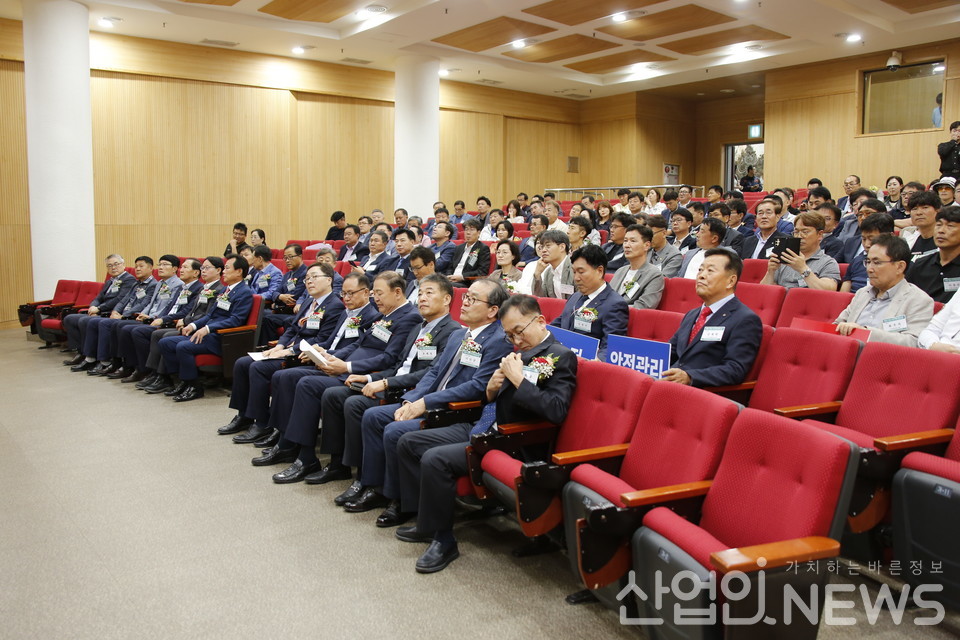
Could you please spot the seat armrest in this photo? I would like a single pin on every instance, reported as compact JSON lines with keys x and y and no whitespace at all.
{"x":743,"y":386}
{"x":588,"y":455}
{"x":462,"y":406}
{"x":775,"y":554}
{"x":37,"y":303}
{"x":807,"y":410}
{"x":524,"y":427}
{"x":241,"y":329}
{"x":913,"y":440}
{"x":666,"y":494}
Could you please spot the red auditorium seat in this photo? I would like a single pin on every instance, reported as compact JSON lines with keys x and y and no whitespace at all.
{"x":679,"y":295}
{"x":277,"y":254}
{"x":280,"y":264}
{"x":765,"y":300}
{"x":302,"y":243}
{"x":671,"y":444}
{"x":812,"y":304}
{"x":777,"y":501}
{"x":551,"y":308}
{"x":310,"y":255}
{"x":235,"y":343}
{"x":457,"y":302}
{"x":521,"y":226}
{"x":343,"y":268}
{"x":64,"y":294}
{"x":653,"y":324}
{"x":608,"y":277}
{"x":604,"y":234}
{"x":86,"y":292}
{"x":753,"y":270}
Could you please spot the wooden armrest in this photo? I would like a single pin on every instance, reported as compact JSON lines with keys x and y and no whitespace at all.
{"x":743,"y":386}
{"x":58,"y":304}
{"x":805,"y":410}
{"x":461,"y":406}
{"x":246,"y":327}
{"x":521,"y":427}
{"x":586,"y":455}
{"x":913,"y":440}
{"x":666,"y":494}
{"x":775,"y":554}
{"x":39,"y":302}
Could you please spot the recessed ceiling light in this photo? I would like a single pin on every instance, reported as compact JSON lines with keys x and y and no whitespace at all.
{"x":370,"y":10}
{"x":854,"y":37}
{"x":727,"y":90}
{"x":443,"y":73}
{"x":519,"y":44}
{"x":299,"y":50}
{"x":619,"y":17}
{"x":753,"y":47}
{"x":108,"y":23}
{"x":701,"y":93}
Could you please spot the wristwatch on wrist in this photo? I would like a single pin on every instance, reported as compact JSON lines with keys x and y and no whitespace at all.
{"x":805,"y":273}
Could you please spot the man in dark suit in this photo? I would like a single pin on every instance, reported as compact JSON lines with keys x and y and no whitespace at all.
{"x":731,"y":238}
{"x":343,"y":406}
{"x":353,"y":250}
{"x":758,"y":245}
{"x":231,"y":309}
{"x":404,"y":240}
{"x":378,"y":260}
{"x":443,"y":246}
{"x":114,"y":290}
{"x":535,"y":384}
{"x":289,"y":294}
{"x":596,"y":310}
{"x":716,"y":343}
{"x":315,"y":322}
{"x":459,"y":375}
{"x":422,"y":264}
{"x":528,"y":246}
{"x":470,"y":260}
{"x":197,"y":306}
{"x":375,"y":350}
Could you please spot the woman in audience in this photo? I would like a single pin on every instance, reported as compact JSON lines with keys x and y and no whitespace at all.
{"x":604,"y":214}
{"x":515,"y":212}
{"x":525,"y":284}
{"x":893,"y":198}
{"x":651,"y":203}
{"x":504,"y":230}
{"x":257,"y":238}
{"x":507,"y":255}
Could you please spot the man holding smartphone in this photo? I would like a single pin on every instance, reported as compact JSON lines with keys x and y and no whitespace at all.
{"x":799,"y":261}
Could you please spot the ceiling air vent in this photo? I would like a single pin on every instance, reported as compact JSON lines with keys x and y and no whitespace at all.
{"x":219,"y":43}
{"x":574,"y":95}
{"x":355,"y":61}
{"x":489,"y":81}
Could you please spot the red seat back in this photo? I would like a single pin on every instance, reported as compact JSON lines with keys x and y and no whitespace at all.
{"x":87,"y":292}
{"x":897,"y":389}
{"x":672,"y":443}
{"x":609,"y":277}
{"x":802,"y":367}
{"x":812,"y":304}
{"x":551,"y":308}
{"x":653,"y":324}
{"x":280,"y":264}
{"x":66,"y":291}
{"x":343,"y":268}
{"x":310,"y":256}
{"x":778,"y":480}
{"x":765,"y":300}
{"x":765,"y":338}
{"x":679,"y":295}
{"x":457,"y":302}
{"x":601,"y":413}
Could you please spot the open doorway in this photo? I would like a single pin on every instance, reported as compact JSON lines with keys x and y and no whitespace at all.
{"x":736,"y":159}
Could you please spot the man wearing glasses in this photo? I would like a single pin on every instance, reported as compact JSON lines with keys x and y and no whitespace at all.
{"x":811,"y":268}
{"x":315,"y":323}
{"x":663,"y":255}
{"x":520,"y":390}
{"x":115,"y":289}
{"x":892,"y":309}
{"x":289,"y":293}
{"x":422,"y":264}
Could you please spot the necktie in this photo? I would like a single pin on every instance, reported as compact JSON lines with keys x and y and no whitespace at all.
{"x":698,"y":325}
{"x":488,"y":418}
{"x":313,"y":305}
{"x":453,"y":363}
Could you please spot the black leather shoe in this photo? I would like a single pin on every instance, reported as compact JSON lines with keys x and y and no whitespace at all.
{"x":135,"y":376}
{"x":273,"y":455}
{"x":296,"y":472}
{"x":179,"y":388}
{"x":253,"y":434}
{"x":268,"y":440}
{"x":330,"y":473}
{"x":99,"y":370}
{"x":410,"y":534}
{"x":162,"y":385}
{"x":192,"y":392}
{"x":121,"y":373}
{"x":436,"y":558}
{"x":392,"y":516}
{"x":238,"y":424}
{"x":149,"y":381}
{"x":352,"y":493}
{"x":68,"y":350}
{"x":77,"y":359}
{"x":369,"y":500}
{"x":83,"y":366}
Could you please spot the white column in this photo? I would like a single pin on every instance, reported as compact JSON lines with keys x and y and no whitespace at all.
{"x":416,"y":153}
{"x":56,"y":55}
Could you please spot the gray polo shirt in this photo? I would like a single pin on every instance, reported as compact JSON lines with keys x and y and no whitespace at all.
{"x":819,"y":263}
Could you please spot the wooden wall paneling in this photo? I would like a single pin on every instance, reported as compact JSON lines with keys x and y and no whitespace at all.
{"x":609,"y":108}
{"x":345,"y":151}
{"x":899,"y":105}
{"x":536,"y":155}
{"x":16,"y":258}
{"x":461,"y":96}
{"x":718,"y":123}
{"x":472,"y":158}
{"x":609,"y":153}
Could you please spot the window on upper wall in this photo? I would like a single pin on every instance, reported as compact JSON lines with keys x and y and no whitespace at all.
{"x":903,"y":100}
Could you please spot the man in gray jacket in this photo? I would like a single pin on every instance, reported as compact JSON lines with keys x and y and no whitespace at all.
{"x":663,"y":255}
{"x":639,"y":282}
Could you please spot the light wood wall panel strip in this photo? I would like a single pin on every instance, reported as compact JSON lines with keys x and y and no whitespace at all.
{"x":718,"y":123}
{"x":11,"y":39}
{"x":609,"y":152}
{"x":16,"y":258}
{"x":461,"y":96}
{"x":472,"y":158}
{"x":536,"y":155}
{"x":610,"y":108}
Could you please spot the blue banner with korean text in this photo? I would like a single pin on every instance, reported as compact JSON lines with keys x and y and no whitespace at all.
{"x":584,"y":346}
{"x":646,"y":356}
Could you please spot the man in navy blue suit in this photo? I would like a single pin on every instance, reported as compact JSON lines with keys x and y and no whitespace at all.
{"x":595,"y":310}
{"x":459,"y":375}
{"x":717,"y":342}
{"x":528,"y":246}
{"x":377,"y":349}
{"x":316,"y":321}
{"x":443,"y":246}
{"x":231,"y":310}
{"x":378,"y":259}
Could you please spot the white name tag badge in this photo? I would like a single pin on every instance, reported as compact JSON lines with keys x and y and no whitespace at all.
{"x":531,"y":375}
{"x":566,"y":289}
{"x":895,"y":324}
{"x":427,"y":353}
{"x":115,"y":287}
{"x":951,"y":284}
{"x":399,"y":272}
{"x":291,"y":285}
{"x":382,"y":333}
{"x":313,"y":324}
{"x":140,"y":293}
{"x":370,"y":267}
{"x":712,"y":334}
{"x":472,"y":260}
{"x":579,"y":324}
{"x":184,"y":298}
{"x":223,"y":304}
{"x":262,"y":284}
{"x":164,"y":296}
{"x":470,"y":359}
{"x":351,"y":333}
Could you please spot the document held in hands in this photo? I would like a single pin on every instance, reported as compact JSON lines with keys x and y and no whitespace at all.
{"x":313,"y":353}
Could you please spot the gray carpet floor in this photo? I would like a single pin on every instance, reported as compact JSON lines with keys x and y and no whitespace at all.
{"x":125,"y":515}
